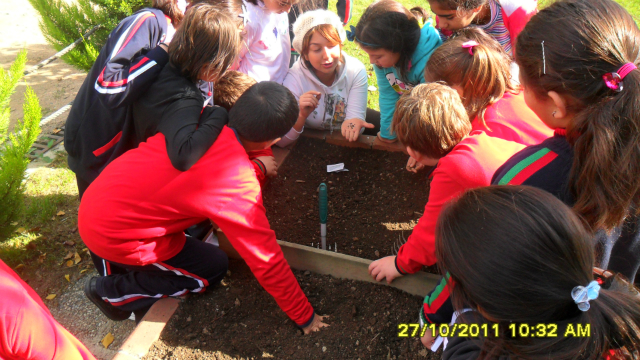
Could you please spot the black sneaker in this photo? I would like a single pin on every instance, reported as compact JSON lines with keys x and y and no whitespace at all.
{"x":107,"y":309}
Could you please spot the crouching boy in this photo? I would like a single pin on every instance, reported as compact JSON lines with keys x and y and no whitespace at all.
{"x":134,"y":214}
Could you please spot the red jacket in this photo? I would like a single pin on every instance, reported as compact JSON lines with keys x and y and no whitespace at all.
{"x":511,"y":119}
{"x":27,"y":329}
{"x":469,"y":165}
{"x":136,"y":210}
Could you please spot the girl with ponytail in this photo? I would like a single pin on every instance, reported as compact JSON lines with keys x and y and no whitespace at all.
{"x":529,"y":278}
{"x":477,"y":67}
{"x":586,"y":86}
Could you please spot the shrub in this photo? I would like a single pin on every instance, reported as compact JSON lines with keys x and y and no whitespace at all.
{"x":15,"y":146}
{"x":62,"y":22}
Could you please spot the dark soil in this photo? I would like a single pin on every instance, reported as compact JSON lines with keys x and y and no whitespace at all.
{"x":240,"y":320}
{"x":371,"y":207}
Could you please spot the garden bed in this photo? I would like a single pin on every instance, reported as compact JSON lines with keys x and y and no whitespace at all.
{"x":238,"y":319}
{"x":371,"y":207}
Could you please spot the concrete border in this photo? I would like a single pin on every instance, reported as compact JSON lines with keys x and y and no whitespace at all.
{"x":301,"y":257}
{"x":148,"y":330}
{"x":364,"y":141}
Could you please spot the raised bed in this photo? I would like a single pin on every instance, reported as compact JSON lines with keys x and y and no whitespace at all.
{"x":372,"y":207}
{"x":241,"y":320}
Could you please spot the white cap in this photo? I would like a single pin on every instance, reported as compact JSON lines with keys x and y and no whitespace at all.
{"x":311,"y":19}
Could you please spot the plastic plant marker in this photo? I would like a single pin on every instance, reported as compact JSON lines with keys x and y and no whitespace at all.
{"x":323,"y":207}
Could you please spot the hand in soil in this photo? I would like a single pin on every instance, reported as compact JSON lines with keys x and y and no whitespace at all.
{"x":429,"y":338}
{"x":386,"y":140}
{"x":413,"y":165}
{"x":384,"y":268}
{"x":271,"y":165}
{"x":308,"y":102}
{"x":316,"y":324}
{"x":351,"y":128}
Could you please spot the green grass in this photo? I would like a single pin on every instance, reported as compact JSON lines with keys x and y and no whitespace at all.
{"x":633,"y":6}
{"x":49,"y":190}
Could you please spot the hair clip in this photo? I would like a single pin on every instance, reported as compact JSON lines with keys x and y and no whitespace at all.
{"x":351,"y":36}
{"x":244,"y":15}
{"x":470,"y":45}
{"x":582,"y":295}
{"x":544,"y":60}
{"x":613,"y":80}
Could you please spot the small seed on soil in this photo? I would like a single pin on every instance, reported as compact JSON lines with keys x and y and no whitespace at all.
{"x":300,"y":181}
{"x":189,"y":318}
{"x":377,"y":253}
{"x":324,"y":348}
{"x":237,"y":302}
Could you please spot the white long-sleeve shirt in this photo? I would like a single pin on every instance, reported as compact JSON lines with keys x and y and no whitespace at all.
{"x":345,"y":99}
{"x":266,"y":50}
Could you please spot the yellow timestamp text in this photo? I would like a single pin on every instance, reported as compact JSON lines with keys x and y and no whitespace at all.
{"x":521,"y":330}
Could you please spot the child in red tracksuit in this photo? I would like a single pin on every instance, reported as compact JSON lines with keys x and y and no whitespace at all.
{"x":476,"y":66}
{"x":433,"y":124}
{"x":135,"y":213}
{"x":27,"y":329}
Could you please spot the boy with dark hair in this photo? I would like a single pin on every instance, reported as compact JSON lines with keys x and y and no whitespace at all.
{"x":135,"y":213}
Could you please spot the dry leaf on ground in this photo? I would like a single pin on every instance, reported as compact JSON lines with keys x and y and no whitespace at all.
{"x":107,"y":340}
{"x":60,"y":213}
{"x":51,"y":296}
{"x":76,"y":258}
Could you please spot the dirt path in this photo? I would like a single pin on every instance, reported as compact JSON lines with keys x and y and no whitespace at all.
{"x":56,"y":84}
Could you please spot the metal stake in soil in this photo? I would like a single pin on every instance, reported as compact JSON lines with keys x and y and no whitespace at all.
{"x":323,"y":205}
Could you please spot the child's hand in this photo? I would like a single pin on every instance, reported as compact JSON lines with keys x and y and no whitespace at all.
{"x":351,"y":128}
{"x":429,"y":337}
{"x":413,"y":165}
{"x":384,"y":268}
{"x":386,"y":140}
{"x":316,"y":324}
{"x":308,"y":102}
{"x":270,"y":163}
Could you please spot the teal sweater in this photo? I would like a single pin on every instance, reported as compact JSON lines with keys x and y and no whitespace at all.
{"x":391,"y":86}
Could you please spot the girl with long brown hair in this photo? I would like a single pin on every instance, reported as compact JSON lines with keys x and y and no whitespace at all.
{"x":399,"y":42}
{"x":585,"y":84}
{"x":525,"y":286}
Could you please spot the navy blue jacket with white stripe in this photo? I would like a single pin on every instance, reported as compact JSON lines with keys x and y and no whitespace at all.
{"x":100,"y":125}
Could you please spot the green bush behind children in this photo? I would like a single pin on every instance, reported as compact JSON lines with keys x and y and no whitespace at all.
{"x":15,"y":146}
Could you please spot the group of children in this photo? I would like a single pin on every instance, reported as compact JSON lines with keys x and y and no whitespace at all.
{"x":165,"y":137}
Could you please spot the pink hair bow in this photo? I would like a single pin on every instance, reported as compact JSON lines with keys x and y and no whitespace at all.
{"x":613,"y":80}
{"x":470,"y":45}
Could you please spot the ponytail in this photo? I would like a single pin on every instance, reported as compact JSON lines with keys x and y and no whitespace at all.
{"x":482,"y":72}
{"x":606,"y":169}
{"x":521,"y":270}
{"x":599,"y":36}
